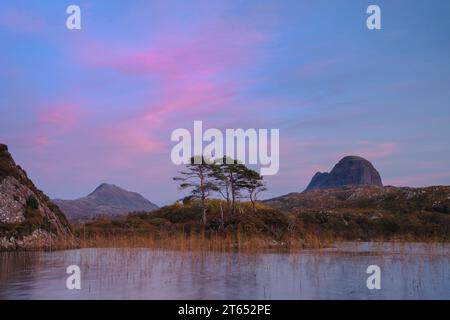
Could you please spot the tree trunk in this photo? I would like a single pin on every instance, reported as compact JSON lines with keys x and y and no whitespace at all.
{"x":253,"y":201}
{"x":233,"y":193}
{"x":204,"y":215}
{"x":202,"y":190}
{"x":228,"y":200}
{"x":233,"y":208}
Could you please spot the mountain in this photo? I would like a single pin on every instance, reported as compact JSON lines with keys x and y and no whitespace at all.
{"x":105,"y":200}
{"x":350,"y":171}
{"x":28,"y":219}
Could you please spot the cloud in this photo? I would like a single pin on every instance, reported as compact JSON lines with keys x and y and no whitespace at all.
{"x":187,"y":72}
{"x":63,"y":116}
{"x":132,"y":136}
{"x":190,"y":79}
{"x":215,"y":48}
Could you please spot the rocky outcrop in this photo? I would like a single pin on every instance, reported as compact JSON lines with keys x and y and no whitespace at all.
{"x":371,"y":199}
{"x":28,"y":219}
{"x":106,"y":200}
{"x":371,"y":213}
{"x":350,"y":171}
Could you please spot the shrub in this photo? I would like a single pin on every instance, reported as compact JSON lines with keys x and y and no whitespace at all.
{"x":32,"y":203}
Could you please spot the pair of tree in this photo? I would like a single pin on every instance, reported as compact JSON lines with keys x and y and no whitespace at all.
{"x":232,"y":178}
{"x":229,"y":178}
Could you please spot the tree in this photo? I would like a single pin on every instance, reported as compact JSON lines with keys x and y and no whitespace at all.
{"x":253,"y":183}
{"x":222,"y":182}
{"x":198,"y":178}
{"x":229,"y":175}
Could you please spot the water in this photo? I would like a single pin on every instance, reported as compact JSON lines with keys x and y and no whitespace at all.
{"x":411,"y":271}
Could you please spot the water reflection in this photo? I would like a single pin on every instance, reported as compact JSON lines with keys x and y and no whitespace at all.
{"x":412,"y":271}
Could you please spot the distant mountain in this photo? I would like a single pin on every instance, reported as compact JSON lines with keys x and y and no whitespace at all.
{"x":350,"y":171}
{"x":107,"y":200}
{"x":28,"y":219}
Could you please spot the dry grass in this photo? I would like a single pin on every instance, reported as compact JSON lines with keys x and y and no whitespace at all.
{"x":200,"y":242}
{"x":178,"y":227}
{"x":235,"y":242}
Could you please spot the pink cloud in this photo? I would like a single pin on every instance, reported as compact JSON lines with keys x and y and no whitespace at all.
{"x":140,"y":133}
{"x":183,"y":66}
{"x":132,"y":136}
{"x":41,"y":140}
{"x":54,"y":122}
{"x":21,"y":21}
{"x":188,"y":73}
{"x":61,"y":116}
{"x":216,"y":48}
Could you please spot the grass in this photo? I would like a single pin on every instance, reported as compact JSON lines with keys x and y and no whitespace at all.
{"x":178,"y":227}
{"x":213,"y":241}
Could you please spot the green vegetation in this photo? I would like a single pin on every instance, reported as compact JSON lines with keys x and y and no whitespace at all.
{"x":368,"y":226}
{"x":187,"y":218}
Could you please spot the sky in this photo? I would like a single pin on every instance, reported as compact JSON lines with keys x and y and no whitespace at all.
{"x":83,"y":107}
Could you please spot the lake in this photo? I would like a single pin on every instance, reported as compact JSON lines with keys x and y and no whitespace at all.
{"x":408,"y":271}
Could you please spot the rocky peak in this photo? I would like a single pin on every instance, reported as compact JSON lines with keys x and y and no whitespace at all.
{"x":105,"y":188}
{"x":350,"y":171}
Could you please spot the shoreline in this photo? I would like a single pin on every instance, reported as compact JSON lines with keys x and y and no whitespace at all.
{"x":243,"y":248}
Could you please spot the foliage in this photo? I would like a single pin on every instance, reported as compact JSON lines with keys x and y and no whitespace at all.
{"x":198,"y":179}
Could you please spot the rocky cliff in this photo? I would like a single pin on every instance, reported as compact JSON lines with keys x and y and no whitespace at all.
{"x":350,"y":171}
{"x":28,"y":219}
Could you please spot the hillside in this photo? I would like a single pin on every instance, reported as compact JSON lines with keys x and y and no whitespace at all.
{"x":106,"y":200}
{"x":371,"y":213}
{"x":395,"y":200}
{"x":298,"y":220}
{"x":28,"y":219}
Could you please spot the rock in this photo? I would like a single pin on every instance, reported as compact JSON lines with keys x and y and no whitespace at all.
{"x":106,"y":200}
{"x":317,"y":180}
{"x":12,"y":200}
{"x":350,"y":171}
{"x":28,"y":219}
{"x":376,"y":216}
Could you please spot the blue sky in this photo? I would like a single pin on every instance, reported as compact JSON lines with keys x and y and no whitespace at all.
{"x":82,"y":107}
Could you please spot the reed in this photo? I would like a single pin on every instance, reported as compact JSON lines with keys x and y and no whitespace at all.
{"x":179,"y":227}
{"x":237,"y":242}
